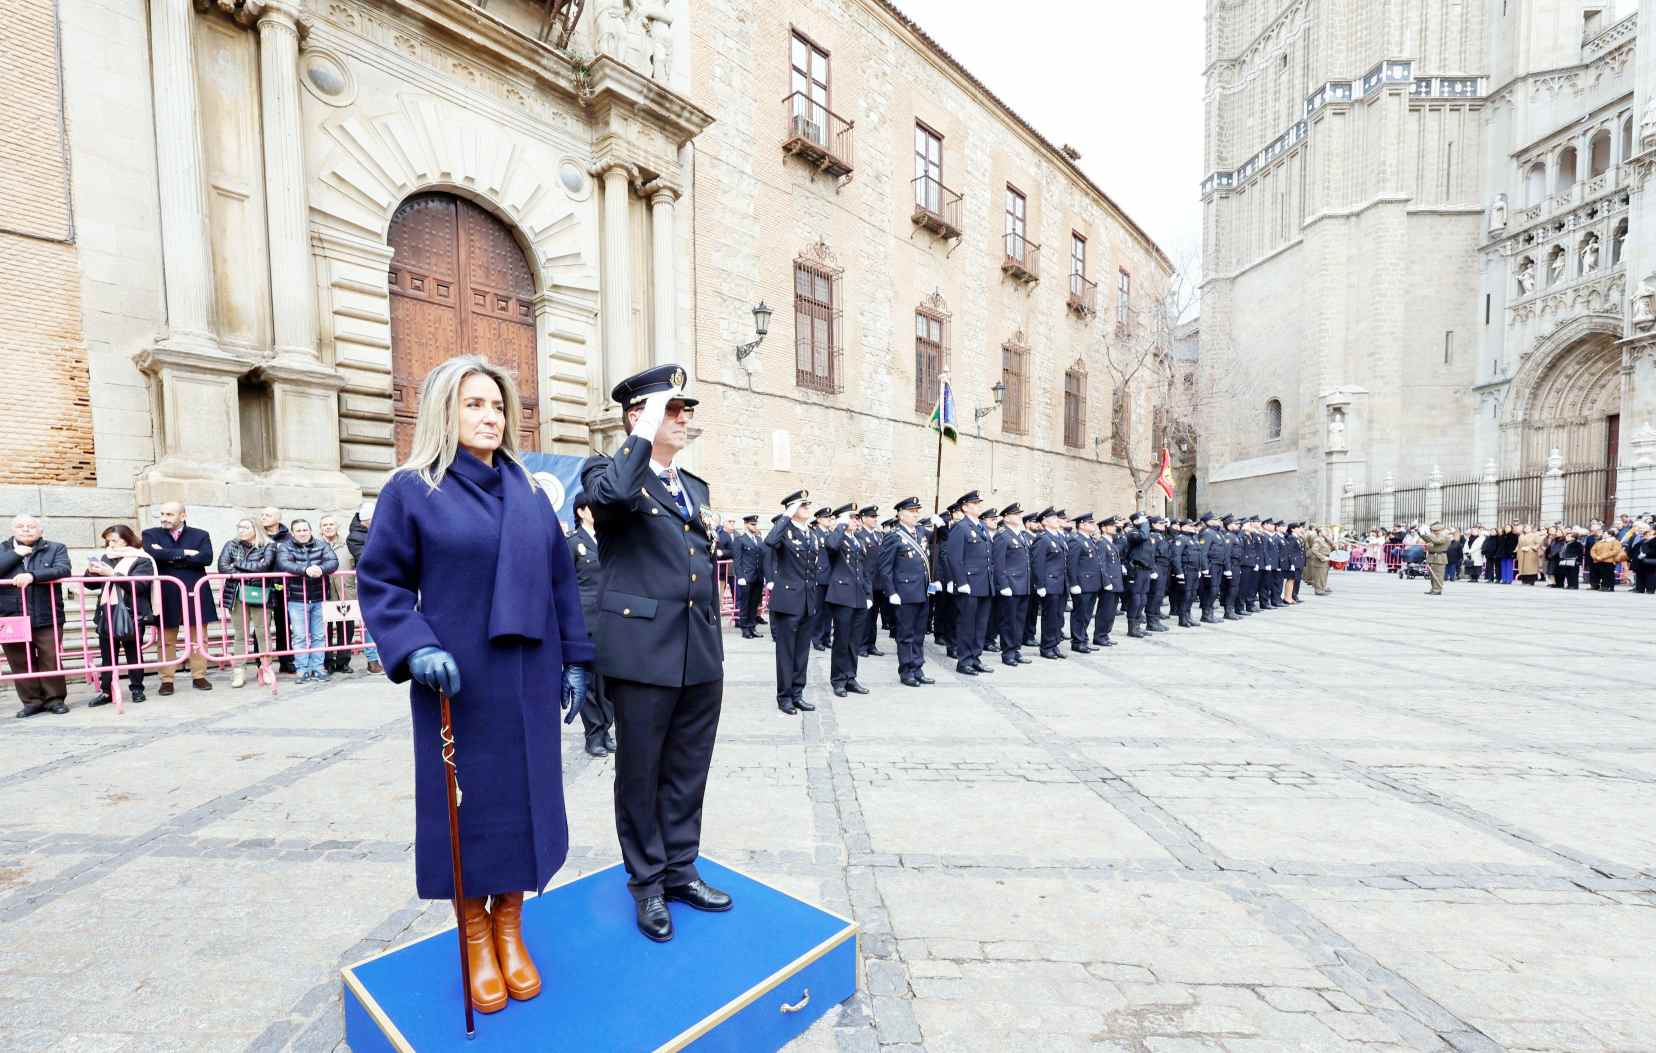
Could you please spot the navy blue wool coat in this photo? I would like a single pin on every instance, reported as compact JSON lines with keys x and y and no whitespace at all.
{"x":428,"y":577}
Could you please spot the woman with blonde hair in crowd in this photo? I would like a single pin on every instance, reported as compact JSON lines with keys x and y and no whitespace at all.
{"x":250,"y":552}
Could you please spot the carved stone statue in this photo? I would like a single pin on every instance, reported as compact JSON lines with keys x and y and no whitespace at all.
{"x":1620,"y":246}
{"x":1526,"y":278}
{"x":621,"y":32}
{"x":1555,"y":271}
{"x":1647,"y":126}
{"x":1644,"y":304}
{"x":1498,"y":213}
{"x":1590,"y":254}
{"x":1336,"y":429}
{"x":658,"y":27}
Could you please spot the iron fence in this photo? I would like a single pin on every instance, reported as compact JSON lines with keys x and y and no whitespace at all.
{"x":1365,"y":514}
{"x":1460,"y":501}
{"x":1588,"y":495}
{"x":1410,"y":504}
{"x":1518,"y":499}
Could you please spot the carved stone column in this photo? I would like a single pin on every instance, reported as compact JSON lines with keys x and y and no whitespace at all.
{"x":1434,"y":497}
{"x":186,"y":255}
{"x":292,"y":282}
{"x":1388,"y":502}
{"x":617,"y":255}
{"x":664,"y":271}
{"x":1489,"y":493}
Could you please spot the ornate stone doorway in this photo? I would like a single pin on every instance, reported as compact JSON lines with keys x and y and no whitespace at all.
{"x":1570,"y":401}
{"x":459,"y":284}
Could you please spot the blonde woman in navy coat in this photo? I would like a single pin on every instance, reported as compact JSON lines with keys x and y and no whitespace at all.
{"x":468,"y":587}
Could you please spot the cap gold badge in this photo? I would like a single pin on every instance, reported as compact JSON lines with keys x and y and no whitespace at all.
{"x":678,"y":378}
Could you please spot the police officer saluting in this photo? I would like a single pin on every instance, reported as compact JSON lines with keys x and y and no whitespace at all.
{"x":1142,"y":573}
{"x":793,"y":556}
{"x":848,"y":598}
{"x":1010,"y":569}
{"x":969,"y":554}
{"x":905,"y":570}
{"x":659,"y":644}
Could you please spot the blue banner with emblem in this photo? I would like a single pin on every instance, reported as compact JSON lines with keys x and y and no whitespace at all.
{"x":559,"y":476}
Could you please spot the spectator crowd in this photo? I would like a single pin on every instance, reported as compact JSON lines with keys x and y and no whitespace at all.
{"x":1599,"y":556}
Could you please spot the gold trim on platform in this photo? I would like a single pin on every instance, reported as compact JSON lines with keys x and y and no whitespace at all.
{"x":677,"y":1042}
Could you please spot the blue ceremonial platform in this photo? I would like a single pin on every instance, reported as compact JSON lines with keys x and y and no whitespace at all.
{"x":746,"y":981}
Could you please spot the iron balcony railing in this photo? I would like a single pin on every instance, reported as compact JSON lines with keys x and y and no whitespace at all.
{"x":1083,"y":296}
{"x":817,"y":134}
{"x":936,"y":207}
{"x":1023,"y":258}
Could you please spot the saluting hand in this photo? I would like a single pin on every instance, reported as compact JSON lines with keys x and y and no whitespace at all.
{"x":655,"y":411}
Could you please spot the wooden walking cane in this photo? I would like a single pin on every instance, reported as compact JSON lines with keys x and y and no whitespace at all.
{"x":452,"y":779}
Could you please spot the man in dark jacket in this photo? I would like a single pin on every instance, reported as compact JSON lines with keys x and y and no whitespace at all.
{"x":597,"y":712}
{"x":185,"y":553}
{"x":747,"y":566}
{"x":1049,"y":578}
{"x":791,"y":559}
{"x":28,"y":563}
{"x":1010,"y":570}
{"x":850,"y":597}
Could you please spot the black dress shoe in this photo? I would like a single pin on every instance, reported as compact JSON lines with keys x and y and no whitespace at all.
{"x":982,"y":669}
{"x":609,"y":742}
{"x":760,"y":621}
{"x":1032,"y":642}
{"x":818,"y":647}
{"x":57,"y":707}
{"x":804,"y":706}
{"x":1106,"y":642}
{"x":136,"y":696}
{"x":909,"y":681}
{"x":855,"y":687}
{"x":99,"y":699}
{"x":965,"y":670}
{"x":787,"y":707}
{"x":874,"y":652}
{"x":596,"y":749}
{"x":924,"y":679}
{"x":653,"y":919}
{"x":1047,"y":654}
{"x":839,"y":690}
{"x":700,"y":895}
{"x":950,"y":652}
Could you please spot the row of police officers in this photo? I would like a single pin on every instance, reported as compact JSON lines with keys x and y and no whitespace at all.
{"x":985,"y":579}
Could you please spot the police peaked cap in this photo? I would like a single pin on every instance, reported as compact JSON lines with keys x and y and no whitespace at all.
{"x":797,"y":495}
{"x":907,"y":504}
{"x":750,"y":519}
{"x":825,"y":512}
{"x":1108,"y":521}
{"x":869,"y":510}
{"x":889,"y":523}
{"x":669,"y":376}
{"x":1045,"y":512}
{"x":1084,"y":517}
{"x":969,"y":497}
{"x":1012,"y":508}
{"x":842,"y":510}
{"x":990,"y":513}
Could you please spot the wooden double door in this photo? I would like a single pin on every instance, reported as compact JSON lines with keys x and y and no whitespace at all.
{"x":460,"y":284}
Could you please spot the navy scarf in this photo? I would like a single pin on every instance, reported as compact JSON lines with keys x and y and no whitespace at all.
{"x":523,"y":572}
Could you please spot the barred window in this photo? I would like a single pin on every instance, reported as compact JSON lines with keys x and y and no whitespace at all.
{"x":1273,"y":419}
{"x":931,"y":357}
{"x":1015,"y":375}
{"x":1075,"y":405}
{"x":817,"y":311}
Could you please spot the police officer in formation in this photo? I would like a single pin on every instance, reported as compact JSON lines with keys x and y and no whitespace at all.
{"x":981,"y":578}
{"x":747,"y":563}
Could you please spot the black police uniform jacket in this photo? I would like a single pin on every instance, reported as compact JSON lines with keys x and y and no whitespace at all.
{"x":1048,"y":563}
{"x":1085,"y":569}
{"x":749,"y":558}
{"x":1141,"y":548}
{"x":1109,"y":564}
{"x":847,"y":584}
{"x":824,"y":563}
{"x":588,"y":572}
{"x":658,"y":608}
{"x":1218,"y":551}
{"x":968,"y":550}
{"x":1010,"y":562}
{"x":792,"y":566}
{"x":904,"y":567}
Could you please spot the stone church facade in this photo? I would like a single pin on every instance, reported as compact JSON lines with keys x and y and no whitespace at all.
{"x":245,"y":229}
{"x":1420,"y":227}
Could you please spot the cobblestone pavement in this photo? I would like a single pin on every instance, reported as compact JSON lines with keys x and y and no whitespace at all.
{"x":1376,"y":822}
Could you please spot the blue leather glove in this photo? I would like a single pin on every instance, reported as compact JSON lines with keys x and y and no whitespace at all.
{"x":436,"y":669}
{"x":575,"y":680}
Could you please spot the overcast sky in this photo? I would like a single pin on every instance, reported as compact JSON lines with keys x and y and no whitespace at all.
{"x":1120,"y":80}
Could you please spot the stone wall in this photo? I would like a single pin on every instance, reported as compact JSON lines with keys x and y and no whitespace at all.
{"x":48,"y":434}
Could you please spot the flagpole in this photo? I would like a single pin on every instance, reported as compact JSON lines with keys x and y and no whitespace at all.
{"x":942,"y":412}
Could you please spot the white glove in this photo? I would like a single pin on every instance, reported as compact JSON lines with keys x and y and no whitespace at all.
{"x":741,"y":581}
{"x":870,"y":604}
{"x":655,"y":410}
{"x":844,"y":520}
{"x":790,"y":508}
{"x":1153,"y":577}
{"x":1075,"y":590}
{"x":1006,"y":591}
{"x":964,"y":590}
{"x":935,"y":586}
{"x":1227,"y":573}
{"x":896,"y":600}
{"x":1109,"y":588}
{"x":951,"y":586}
{"x":1041,"y":593}
{"x":936,"y":521}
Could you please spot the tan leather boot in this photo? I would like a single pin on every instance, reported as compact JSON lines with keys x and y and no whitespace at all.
{"x":488,"y":990}
{"x":523,"y":980}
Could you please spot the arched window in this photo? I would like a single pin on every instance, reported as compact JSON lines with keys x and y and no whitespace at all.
{"x":1273,"y":419}
{"x":1627,"y":138}
{"x":1598,"y":157}
{"x":1566,"y":170}
{"x":1535,"y":183}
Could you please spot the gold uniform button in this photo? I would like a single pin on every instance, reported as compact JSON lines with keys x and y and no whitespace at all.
{"x":687,"y":528}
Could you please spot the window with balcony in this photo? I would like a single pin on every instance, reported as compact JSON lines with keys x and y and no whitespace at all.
{"x":814,"y":131}
{"x":1020,"y":253}
{"x":931,"y":356}
{"x":936,"y":207}
{"x":818,"y":354}
{"x":1083,"y":294}
{"x":1075,"y":405}
{"x":1015,"y":375}
{"x":1273,"y":419}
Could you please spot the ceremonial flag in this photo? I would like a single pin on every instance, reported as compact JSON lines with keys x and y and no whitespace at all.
{"x":1165,"y":479}
{"x":943,"y":415}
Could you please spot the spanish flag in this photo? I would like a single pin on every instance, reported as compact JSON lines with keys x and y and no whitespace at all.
{"x":1165,"y":479}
